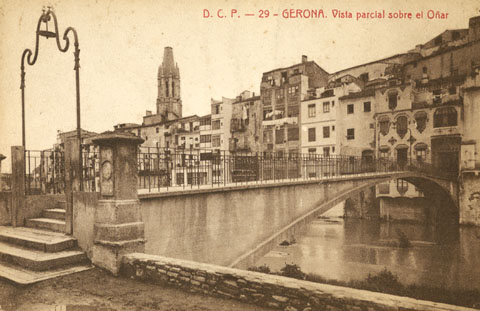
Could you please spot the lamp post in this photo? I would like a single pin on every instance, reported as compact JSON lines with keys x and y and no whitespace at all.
{"x":411,"y":140}
{"x":31,"y":57}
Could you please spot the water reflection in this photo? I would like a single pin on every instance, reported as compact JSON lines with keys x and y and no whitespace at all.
{"x":442,"y":255}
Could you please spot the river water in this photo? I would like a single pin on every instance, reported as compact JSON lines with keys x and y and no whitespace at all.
{"x":442,"y":255}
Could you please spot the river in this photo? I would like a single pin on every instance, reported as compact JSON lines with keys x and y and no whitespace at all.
{"x":445,"y":255}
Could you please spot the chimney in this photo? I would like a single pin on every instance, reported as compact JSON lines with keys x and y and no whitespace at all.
{"x":304,"y":59}
{"x":148,"y":113}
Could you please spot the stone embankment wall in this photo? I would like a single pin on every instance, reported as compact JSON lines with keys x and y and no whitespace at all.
{"x":263,"y":289}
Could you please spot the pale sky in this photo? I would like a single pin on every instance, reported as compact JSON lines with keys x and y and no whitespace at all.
{"x":122,"y":46}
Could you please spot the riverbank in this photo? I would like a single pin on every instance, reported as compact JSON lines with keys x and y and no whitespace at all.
{"x":98,"y":290}
{"x":385,"y":282}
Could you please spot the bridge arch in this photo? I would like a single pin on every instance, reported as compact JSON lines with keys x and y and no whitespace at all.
{"x":440,"y":191}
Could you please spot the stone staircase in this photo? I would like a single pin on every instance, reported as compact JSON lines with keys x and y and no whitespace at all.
{"x":40,"y":250}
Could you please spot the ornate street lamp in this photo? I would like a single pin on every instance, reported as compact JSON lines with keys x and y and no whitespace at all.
{"x":31,"y":57}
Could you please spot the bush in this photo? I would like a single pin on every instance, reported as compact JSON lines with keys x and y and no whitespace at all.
{"x":292,"y":271}
{"x":263,"y":269}
{"x":385,"y":282}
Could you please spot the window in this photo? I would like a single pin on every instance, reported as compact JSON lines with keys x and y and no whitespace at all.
{"x":205,"y":121}
{"x":326,"y":107}
{"x":437,"y":96}
{"x":392,"y":100}
{"x":350,"y":134}
{"x":333,"y":103}
{"x":311,"y":110}
{"x":366,"y":107}
{"x":421,"y":120}
{"x":424,"y":70}
{"x":326,"y":131}
{"x":267,"y":97}
{"x":452,"y":90}
{"x":157,"y":130}
{"x":364,"y":77}
{"x":267,"y":114}
{"x":279,"y":136}
{"x":267,"y":136}
{"x":205,"y":138}
{"x":333,"y":149}
{"x":280,"y":94}
{"x":293,"y":90}
{"x":384,"y":151}
{"x":215,"y":124}
{"x":326,"y":151}
{"x":420,"y":155}
{"x":445,"y":116}
{"x":215,"y":109}
{"x":216,"y":141}
{"x":312,"y":150}
{"x":402,"y":186}
{"x":350,"y":108}
{"x":311,"y":134}
{"x":293,"y":134}
{"x":293,"y":111}
{"x":402,"y":126}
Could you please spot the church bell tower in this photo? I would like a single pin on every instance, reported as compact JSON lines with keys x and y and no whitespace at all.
{"x":169,"y":103}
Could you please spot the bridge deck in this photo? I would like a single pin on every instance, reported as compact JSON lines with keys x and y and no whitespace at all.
{"x":184,"y":189}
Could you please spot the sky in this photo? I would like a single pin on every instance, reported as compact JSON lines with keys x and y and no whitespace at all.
{"x":122,"y":45}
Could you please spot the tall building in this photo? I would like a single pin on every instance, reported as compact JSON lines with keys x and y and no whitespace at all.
{"x":169,"y":103}
{"x":282,"y":90}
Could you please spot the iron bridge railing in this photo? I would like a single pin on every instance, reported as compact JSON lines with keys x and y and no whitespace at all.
{"x":162,"y":169}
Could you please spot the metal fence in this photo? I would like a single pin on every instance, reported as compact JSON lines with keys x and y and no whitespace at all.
{"x":90,"y":168}
{"x":160,"y":169}
{"x":44,"y":172}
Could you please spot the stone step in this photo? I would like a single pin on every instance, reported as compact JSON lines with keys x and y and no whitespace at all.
{"x":54,"y":213}
{"x":61,"y":205}
{"x":23,"y":276}
{"x":46,"y":223}
{"x":38,"y":260}
{"x":47,"y":241}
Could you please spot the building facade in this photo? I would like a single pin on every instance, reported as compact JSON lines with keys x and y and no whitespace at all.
{"x":282,"y":91}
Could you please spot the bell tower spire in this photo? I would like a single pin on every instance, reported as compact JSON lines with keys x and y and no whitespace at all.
{"x":169,"y":103}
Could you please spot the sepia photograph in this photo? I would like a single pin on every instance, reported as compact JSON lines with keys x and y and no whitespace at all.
{"x":304,"y":155}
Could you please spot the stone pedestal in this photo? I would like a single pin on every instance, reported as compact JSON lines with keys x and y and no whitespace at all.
{"x":118,"y":227}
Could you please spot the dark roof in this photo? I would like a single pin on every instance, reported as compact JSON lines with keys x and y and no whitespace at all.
{"x":363,"y":93}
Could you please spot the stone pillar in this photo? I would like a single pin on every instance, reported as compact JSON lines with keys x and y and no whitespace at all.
{"x":2,"y":157}
{"x":118,"y":226}
{"x":18,"y":185}
{"x":469,"y":197}
{"x":73,"y":177}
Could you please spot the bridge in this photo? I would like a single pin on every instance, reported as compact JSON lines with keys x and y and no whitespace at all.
{"x":236,"y":225}
{"x":211,"y":207}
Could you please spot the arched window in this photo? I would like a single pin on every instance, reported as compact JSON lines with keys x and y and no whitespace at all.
{"x":384,"y":151}
{"x":392,"y":100}
{"x":402,"y":125}
{"x":421,"y":152}
{"x":445,"y":116}
{"x":402,"y":186}
{"x":421,"y":120}
{"x":384,"y":124}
